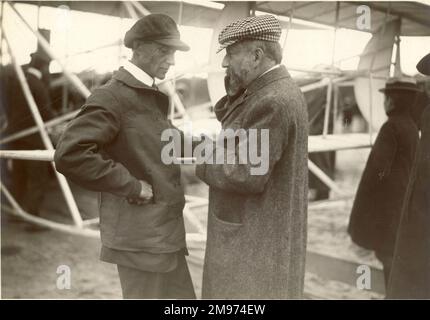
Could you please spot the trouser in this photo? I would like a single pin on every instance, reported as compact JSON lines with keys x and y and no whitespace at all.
{"x":139,"y":284}
{"x":30,"y":181}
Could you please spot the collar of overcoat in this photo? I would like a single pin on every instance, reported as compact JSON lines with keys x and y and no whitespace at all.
{"x":127,"y":78}
{"x":256,"y":85}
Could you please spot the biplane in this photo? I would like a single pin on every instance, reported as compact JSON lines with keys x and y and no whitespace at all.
{"x":380,"y":59}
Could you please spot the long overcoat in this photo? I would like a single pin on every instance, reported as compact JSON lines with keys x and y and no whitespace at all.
{"x":378,"y":203}
{"x":256,"y":239}
{"x":410,"y":274}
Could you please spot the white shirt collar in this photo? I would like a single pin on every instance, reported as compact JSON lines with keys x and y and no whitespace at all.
{"x":138,"y":73}
{"x":272,"y":68}
{"x":35,"y":72}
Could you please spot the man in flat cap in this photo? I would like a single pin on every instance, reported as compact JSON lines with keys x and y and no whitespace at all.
{"x":114,"y":146}
{"x":256,"y":239}
{"x":410,"y":275}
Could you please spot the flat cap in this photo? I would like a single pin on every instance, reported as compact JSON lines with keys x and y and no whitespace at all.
{"x":424,"y":65}
{"x":265,"y":27}
{"x":159,"y":28}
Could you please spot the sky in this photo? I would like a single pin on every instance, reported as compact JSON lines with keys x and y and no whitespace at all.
{"x":76,"y":32}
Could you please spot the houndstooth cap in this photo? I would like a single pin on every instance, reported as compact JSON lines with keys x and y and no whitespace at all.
{"x":265,"y":27}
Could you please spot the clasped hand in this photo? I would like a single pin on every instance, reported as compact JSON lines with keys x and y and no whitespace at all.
{"x":145,"y":195}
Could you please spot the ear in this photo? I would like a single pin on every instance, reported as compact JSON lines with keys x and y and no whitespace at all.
{"x":258,"y":54}
{"x":137,"y":44}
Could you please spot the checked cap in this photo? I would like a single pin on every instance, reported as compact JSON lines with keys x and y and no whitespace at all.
{"x":265,"y":27}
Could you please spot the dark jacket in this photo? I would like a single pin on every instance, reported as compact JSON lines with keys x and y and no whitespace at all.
{"x":114,"y":142}
{"x":410,"y":274}
{"x":18,"y":112}
{"x":256,"y":240}
{"x":378,"y":203}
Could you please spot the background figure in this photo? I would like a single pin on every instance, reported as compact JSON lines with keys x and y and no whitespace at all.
{"x":256,"y":238}
{"x":29,"y":179}
{"x":410,"y":275}
{"x":378,"y":203}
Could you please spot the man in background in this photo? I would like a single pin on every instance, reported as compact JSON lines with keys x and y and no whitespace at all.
{"x":29,"y":179}
{"x":410,"y":275}
{"x":380,"y":196}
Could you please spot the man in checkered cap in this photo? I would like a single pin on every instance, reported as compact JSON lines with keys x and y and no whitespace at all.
{"x":256,"y":238}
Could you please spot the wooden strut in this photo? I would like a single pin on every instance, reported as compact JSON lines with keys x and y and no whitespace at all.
{"x":44,"y":135}
{"x":325,"y":178}
{"x":130,"y":10}
{"x":330,"y":85}
{"x":39,"y":155}
{"x":48,"y":125}
{"x":45,"y":45}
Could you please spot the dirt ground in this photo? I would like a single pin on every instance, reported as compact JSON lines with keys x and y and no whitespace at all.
{"x":31,"y":256}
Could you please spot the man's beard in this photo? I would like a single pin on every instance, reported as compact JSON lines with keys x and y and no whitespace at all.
{"x":236,"y":80}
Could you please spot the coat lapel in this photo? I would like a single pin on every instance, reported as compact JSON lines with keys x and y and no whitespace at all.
{"x":236,"y":103}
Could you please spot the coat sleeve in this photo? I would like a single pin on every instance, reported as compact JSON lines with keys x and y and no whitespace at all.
{"x":384,"y":151}
{"x":240,"y":177}
{"x":78,"y":154}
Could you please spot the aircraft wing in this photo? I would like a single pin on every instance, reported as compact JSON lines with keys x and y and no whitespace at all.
{"x":194,"y":13}
{"x":414,"y":15}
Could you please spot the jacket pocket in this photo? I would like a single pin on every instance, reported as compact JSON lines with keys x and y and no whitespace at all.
{"x":224,"y":231}
{"x":140,"y":222}
{"x":151,"y":228}
{"x":225,"y":223}
{"x":223,"y":247}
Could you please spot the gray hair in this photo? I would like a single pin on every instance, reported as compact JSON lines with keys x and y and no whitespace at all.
{"x":272,"y":50}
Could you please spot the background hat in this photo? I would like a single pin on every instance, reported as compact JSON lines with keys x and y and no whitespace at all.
{"x":424,"y":65}
{"x":40,"y":56}
{"x":159,"y":28}
{"x":403,"y":83}
{"x":266,"y":28}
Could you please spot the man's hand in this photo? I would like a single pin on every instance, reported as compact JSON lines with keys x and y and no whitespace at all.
{"x":145,"y":195}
